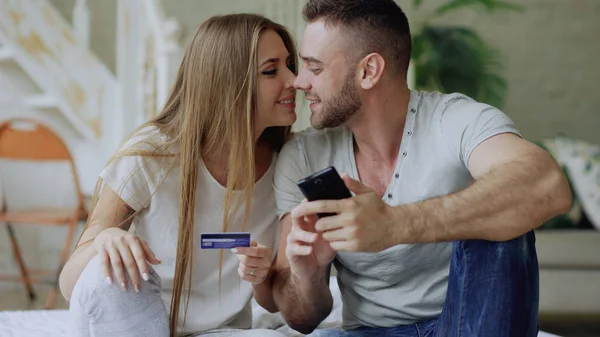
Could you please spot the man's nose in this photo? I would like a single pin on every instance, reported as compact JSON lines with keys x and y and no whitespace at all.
{"x":291,"y":78}
{"x":301,"y":82}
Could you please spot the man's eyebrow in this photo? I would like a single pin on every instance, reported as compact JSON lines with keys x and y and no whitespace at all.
{"x":310,"y":59}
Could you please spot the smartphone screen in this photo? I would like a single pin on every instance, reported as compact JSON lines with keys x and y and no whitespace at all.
{"x":324,"y":185}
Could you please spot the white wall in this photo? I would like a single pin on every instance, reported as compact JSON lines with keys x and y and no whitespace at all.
{"x":551,"y":53}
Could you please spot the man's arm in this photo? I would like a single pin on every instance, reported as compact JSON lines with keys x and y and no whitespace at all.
{"x":517,"y":187}
{"x":303,"y":302}
{"x":263,"y":293}
{"x":300,"y":279}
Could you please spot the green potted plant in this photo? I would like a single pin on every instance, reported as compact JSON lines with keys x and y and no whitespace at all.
{"x":456,"y":58}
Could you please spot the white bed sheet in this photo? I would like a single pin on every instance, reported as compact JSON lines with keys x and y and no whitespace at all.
{"x":54,"y":323}
{"x":265,"y":320}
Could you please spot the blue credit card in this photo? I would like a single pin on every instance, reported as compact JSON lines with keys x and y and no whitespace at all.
{"x":226,"y":240}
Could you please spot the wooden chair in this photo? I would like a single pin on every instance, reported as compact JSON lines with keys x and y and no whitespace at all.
{"x":31,"y":143}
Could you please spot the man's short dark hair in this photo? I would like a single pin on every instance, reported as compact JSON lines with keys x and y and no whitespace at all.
{"x":378,"y":26}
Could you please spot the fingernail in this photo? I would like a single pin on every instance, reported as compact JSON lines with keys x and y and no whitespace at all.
{"x":233,"y":250}
{"x":108,"y":280}
{"x":123,"y":286}
{"x":145,"y":276}
{"x":136,"y":288}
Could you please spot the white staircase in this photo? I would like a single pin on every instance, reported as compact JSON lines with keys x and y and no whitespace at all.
{"x":48,"y":72}
{"x":68,"y":74}
{"x":20,"y":95}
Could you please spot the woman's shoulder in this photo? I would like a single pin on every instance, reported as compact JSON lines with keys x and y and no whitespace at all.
{"x":139,"y":167}
{"x":146,"y":152}
{"x":147,"y":140}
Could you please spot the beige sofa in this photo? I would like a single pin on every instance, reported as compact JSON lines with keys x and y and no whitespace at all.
{"x":569,"y":262}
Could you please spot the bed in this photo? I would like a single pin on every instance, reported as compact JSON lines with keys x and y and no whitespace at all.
{"x":53,"y":323}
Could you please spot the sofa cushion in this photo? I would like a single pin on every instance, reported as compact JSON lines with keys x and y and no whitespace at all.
{"x":582,"y":163}
{"x":568,"y":249}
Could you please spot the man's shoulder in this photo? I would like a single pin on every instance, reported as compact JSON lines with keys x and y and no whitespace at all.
{"x":312,"y":139}
{"x":311,"y":149}
{"x":436,"y":96}
{"x":438,"y":103}
{"x":435,"y":101}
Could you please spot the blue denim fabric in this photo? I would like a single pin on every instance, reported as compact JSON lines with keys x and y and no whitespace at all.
{"x":493,"y":291}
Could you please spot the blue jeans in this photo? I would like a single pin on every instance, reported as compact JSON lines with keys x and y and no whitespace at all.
{"x":493,"y":291}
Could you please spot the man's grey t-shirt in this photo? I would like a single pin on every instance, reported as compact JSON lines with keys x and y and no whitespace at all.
{"x":406,"y":283}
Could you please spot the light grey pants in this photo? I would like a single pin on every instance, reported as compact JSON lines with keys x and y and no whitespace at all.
{"x":101,"y":310}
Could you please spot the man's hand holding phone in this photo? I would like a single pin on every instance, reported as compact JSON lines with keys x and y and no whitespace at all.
{"x":362,"y":223}
{"x":307,"y":252}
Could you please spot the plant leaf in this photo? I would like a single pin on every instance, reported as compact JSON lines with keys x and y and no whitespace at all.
{"x":488,"y":5}
{"x":456,"y":59}
{"x":417,"y":3}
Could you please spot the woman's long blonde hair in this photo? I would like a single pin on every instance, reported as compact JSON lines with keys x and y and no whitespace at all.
{"x":211,"y":110}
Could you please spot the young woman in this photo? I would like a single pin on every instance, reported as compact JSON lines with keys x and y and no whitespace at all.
{"x":205,"y":164}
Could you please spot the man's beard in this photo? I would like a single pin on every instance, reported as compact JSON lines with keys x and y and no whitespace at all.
{"x":339,"y":109}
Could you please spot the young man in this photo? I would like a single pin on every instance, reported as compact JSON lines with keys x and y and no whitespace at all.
{"x":438,"y":239}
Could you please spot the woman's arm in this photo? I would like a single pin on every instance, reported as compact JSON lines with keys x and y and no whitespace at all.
{"x":110,"y":212}
{"x":255,"y":267}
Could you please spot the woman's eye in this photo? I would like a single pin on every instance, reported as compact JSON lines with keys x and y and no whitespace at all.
{"x":270,"y":72}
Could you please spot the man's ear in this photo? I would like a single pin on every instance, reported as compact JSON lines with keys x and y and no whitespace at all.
{"x":371,"y":70}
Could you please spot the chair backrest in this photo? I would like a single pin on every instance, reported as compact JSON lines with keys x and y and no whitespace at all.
{"x":28,"y":147}
{"x":30,"y":140}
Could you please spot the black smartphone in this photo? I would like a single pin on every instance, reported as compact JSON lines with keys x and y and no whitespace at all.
{"x":324,"y":185}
